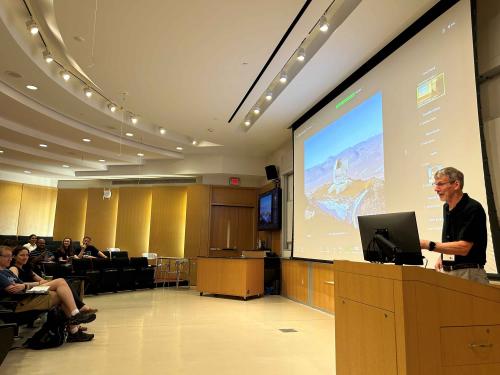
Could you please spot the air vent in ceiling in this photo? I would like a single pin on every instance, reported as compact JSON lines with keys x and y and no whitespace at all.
{"x":155,"y":181}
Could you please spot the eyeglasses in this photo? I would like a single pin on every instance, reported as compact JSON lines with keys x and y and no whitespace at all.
{"x":439,"y":184}
{"x":6,"y":256}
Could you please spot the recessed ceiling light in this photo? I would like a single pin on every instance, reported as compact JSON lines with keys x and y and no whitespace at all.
{"x":247,"y":123}
{"x":163,"y":130}
{"x":65,"y":166}
{"x":47,"y":57}
{"x":129,"y":134}
{"x":31,"y":87}
{"x":256,"y":110}
{"x":43,"y":145}
{"x":134,"y":120}
{"x":194,"y":142}
{"x":112,"y":107}
{"x":102,"y":160}
{"x":323,"y":24}
{"x":301,"y":54}
{"x":87,"y":91}
{"x":65,"y":75}
{"x":27,"y":172}
{"x":32,"y":27}
{"x":86,"y":140}
{"x":140,"y":154}
{"x":283,"y":77}
{"x":1,"y":151}
{"x":269,"y":96}
{"x":179,"y":148}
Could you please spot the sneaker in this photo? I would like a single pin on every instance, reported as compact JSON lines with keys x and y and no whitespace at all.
{"x":79,"y":336}
{"x":81,"y":317}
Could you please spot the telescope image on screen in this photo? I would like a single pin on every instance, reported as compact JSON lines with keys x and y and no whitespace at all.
{"x":374,"y":148}
{"x":344,"y":167}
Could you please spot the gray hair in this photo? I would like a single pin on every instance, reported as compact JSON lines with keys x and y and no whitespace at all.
{"x":453,"y":175}
{"x":3,"y":248}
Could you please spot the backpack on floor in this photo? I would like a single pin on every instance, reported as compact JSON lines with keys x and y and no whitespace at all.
{"x":52,"y":333}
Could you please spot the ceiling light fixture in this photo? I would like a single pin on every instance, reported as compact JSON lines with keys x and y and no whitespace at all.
{"x":112,"y":107}
{"x":65,"y":75}
{"x":31,"y":87}
{"x":301,"y":54}
{"x":88,"y":92}
{"x":179,"y":148}
{"x":269,"y":96}
{"x":32,"y":27}
{"x":140,"y":154}
{"x":256,"y":110}
{"x":43,"y":145}
{"x":163,"y":130}
{"x":129,"y":134}
{"x":323,"y":24}
{"x":47,"y":56}
{"x":65,"y":166}
{"x":247,"y":123}
{"x":86,"y":140}
{"x":27,"y":172}
{"x":102,"y":160}
{"x":1,"y":151}
{"x":134,"y":119}
{"x":283,"y":77}
{"x":194,"y":142}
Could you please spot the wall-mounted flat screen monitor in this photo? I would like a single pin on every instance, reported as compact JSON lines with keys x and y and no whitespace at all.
{"x":270,"y":210}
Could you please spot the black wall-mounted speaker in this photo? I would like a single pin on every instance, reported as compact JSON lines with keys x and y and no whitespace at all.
{"x":272,"y":172}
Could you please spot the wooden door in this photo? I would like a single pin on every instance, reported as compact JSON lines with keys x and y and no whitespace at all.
{"x":232,"y":227}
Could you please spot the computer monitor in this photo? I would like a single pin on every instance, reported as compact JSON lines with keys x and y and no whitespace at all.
{"x":390,"y":238}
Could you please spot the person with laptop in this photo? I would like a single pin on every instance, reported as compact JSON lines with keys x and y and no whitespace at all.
{"x":464,"y":235}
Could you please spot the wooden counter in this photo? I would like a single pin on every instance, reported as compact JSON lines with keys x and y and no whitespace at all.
{"x":240,"y":277}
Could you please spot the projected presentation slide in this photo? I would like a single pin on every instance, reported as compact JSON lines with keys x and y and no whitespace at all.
{"x":375,"y":148}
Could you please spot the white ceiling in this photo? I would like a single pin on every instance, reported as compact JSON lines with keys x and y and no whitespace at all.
{"x":185,"y":66}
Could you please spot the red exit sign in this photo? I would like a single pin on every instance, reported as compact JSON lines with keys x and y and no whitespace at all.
{"x":234,"y":181}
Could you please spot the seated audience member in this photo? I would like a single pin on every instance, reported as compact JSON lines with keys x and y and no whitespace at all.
{"x":40,"y":255}
{"x":31,"y":245}
{"x":65,"y":252}
{"x":59,"y":295}
{"x":21,"y":268}
{"x":89,"y":251}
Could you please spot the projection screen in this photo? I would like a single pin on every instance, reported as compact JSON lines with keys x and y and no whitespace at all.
{"x":375,"y":148}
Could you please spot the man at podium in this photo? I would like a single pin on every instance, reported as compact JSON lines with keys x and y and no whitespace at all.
{"x":464,"y":237}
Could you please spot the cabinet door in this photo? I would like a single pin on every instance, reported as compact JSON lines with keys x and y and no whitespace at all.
{"x":220,"y":226}
{"x":243,"y":233}
{"x":232,"y":227}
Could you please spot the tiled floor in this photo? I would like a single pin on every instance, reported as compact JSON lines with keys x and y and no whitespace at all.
{"x":169,"y":331}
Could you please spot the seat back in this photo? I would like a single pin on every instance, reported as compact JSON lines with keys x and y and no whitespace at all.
{"x":81,"y":266}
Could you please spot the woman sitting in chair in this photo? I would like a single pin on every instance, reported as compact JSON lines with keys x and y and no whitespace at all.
{"x":20,"y":267}
{"x":65,"y":252}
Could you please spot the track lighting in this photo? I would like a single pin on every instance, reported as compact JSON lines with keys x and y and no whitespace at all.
{"x":88,"y":92}
{"x":256,"y":110}
{"x":247,"y":123}
{"x":134,"y":119}
{"x":163,"y":130}
{"x":179,"y":148}
{"x":283,"y":77}
{"x":65,"y":75}
{"x":194,"y":142}
{"x":47,"y":57}
{"x":32,"y":27}
{"x":129,"y":134}
{"x":323,"y":24}
{"x":301,"y":54}
{"x":269,"y":96}
{"x":140,"y":154}
{"x":112,"y":107}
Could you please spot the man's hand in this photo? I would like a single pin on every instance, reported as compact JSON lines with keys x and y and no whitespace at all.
{"x":439,"y":265}
{"x":15,"y":288}
{"x":424,"y":244}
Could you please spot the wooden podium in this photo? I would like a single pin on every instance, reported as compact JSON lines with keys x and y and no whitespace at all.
{"x":410,"y":320}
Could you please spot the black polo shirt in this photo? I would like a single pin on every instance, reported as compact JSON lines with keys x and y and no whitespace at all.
{"x":466,"y":222}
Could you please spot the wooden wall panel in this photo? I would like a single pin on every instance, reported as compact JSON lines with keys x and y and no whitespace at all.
{"x":134,"y":219}
{"x":168,"y":220}
{"x":37,"y":212}
{"x":197,"y":221}
{"x":101,"y":217}
{"x":233,"y":196}
{"x":10,"y":201}
{"x":295,"y":280}
{"x":322,"y":293}
{"x":70,"y":214}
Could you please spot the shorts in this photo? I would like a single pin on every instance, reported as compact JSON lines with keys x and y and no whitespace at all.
{"x":34,"y":302}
